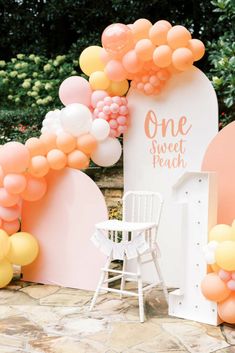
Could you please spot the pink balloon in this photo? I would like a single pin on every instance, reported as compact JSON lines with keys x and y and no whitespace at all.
{"x":6,"y":199}
{"x":14,"y":183}
{"x":224,"y":275}
{"x":14,"y":157}
{"x":105,"y":56}
{"x":75,"y":89}
{"x":9,"y":214}
{"x":117,"y":38}
{"x":11,"y":227}
{"x":97,"y":96}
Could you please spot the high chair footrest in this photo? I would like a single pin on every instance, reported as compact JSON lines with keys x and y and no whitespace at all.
{"x":119,"y":291}
{"x":121,"y":272}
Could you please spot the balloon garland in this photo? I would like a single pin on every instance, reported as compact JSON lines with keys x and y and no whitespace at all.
{"x":95,"y":114}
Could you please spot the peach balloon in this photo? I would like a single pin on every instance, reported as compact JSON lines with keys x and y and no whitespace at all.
{"x":226,"y":309}
{"x":57,"y":159}
{"x":78,"y":160}
{"x":35,"y":146}
{"x":197,"y":48}
{"x":140,"y":28}
{"x":11,"y":227}
{"x":158,"y":33}
{"x":86,"y":143}
{"x":182,"y":59}
{"x":1,"y":176}
{"x":66,"y":142}
{"x":49,"y":140}
{"x":162,"y":56}
{"x":35,"y":188}
{"x":144,"y":49}
{"x":115,"y":71}
{"x":131,"y":62}
{"x":117,"y":38}
{"x":165,"y":23}
{"x":14,"y":157}
{"x":213,"y":288}
{"x":178,"y":36}
{"x":7,"y":199}
{"x":39,"y":166}
{"x":10,"y":213}
{"x":99,"y":80}
{"x":14,"y":183}
{"x":105,"y":56}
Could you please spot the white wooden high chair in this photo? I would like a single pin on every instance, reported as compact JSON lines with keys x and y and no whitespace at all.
{"x":131,"y":238}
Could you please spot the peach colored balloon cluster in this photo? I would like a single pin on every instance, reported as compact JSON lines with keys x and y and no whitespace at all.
{"x":219,"y":285}
{"x":115,"y":111}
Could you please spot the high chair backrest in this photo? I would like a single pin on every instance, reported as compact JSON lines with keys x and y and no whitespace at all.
{"x":142,"y":206}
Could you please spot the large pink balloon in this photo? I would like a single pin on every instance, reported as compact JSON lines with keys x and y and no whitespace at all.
{"x":14,"y":157}
{"x":117,"y":38}
{"x":75,"y":89}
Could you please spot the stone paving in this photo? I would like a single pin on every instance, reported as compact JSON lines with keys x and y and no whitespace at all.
{"x":38,"y":318}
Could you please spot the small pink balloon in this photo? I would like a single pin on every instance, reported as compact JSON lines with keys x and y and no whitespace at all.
{"x":224,"y":275}
{"x":7,"y":199}
{"x":9,"y":214}
{"x":117,"y":38}
{"x":233,"y":275}
{"x":123,"y":110}
{"x":75,"y":89}
{"x":97,"y":96}
{"x":122,"y":120}
{"x":231,"y":284}
{"x":114,"y":108}
{"x":122,"y":129}
{"x":11,"y":227}
{"x":14,"y":157}
{"x":113,"y":124}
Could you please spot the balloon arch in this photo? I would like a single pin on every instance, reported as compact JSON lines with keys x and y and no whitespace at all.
{"x":141,"y":55}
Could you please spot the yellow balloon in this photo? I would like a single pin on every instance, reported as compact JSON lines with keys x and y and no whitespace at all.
{"x":99,"y":80}
{"x":118,"y":88}
{"x":221,"y":232}
{"x":6,"y":272}
{"x":4,"y":244}
{"x":24,"y":249}
{"x":90,"y":60}
{"x":225,"y":255}
{"x":233,"y":230}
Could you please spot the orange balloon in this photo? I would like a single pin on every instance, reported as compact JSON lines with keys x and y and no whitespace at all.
{"x":115,"y":71}
{"x":178,"y":36}
{"x":86,"y":143}
{"x":49,"y":140}
{"x":144,"y":49}
{"x":35,"y":147}
{"x":197,"y":48}
{"x":213,"y":288}
{"x":226,"y":309}
{"x":14,"y":157}
{"x":1,"y":176}
{"x":140,"y":28}
{"x":158,"y":33}
{"x":163,"y":75}
{"x":39,"y":166}
{"x":215,"y":267}
{"x":131,"y":62}
{"x":35,"y":188}
{"x":57,"y":159}
{"x":182,"y":59}
{"x":14,"y":183}
{"x":78,"y":160}
{"x":11,"y":227}
{"x":7,"y":199}
{"x":162,"y":56}
{"x":65,"y":142}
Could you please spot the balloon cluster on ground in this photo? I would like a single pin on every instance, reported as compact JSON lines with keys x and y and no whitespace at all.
{"x":19,"y":249}
{"x":219,"y":284}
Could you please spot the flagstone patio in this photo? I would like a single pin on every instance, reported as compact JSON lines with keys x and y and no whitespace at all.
{"x":38,"y":318}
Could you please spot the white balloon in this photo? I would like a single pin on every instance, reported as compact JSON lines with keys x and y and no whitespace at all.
{"x":100,"y":129}
{"x":210,"y":258}
{"x":213,"y":244}
{"x":44,"y":130}
{"x":107,"y":153}
{"x":76,"y":119}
